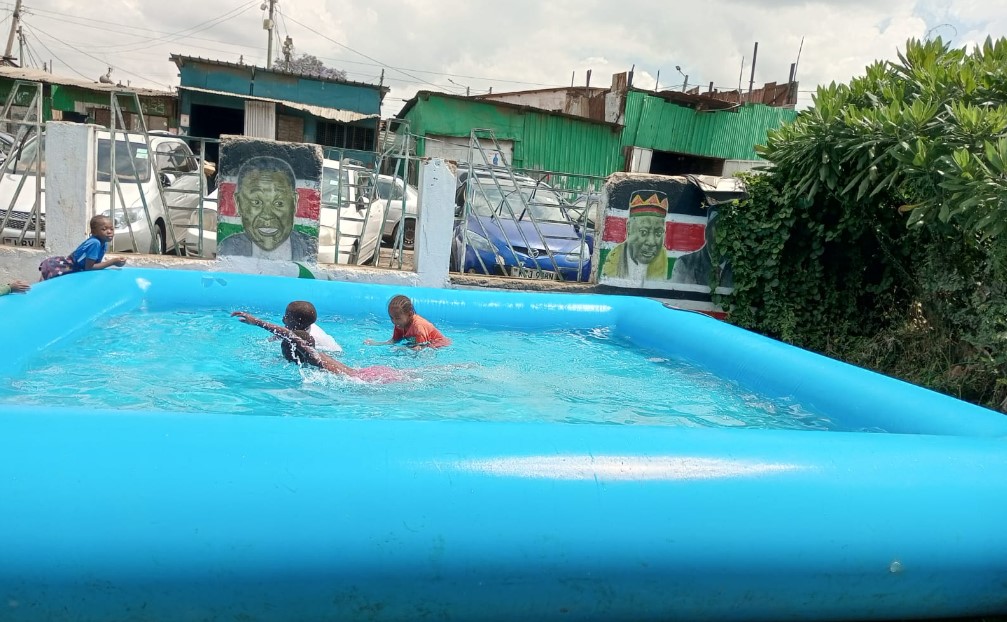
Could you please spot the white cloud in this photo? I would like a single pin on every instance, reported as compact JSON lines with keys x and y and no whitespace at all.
{"x":515,"y":45}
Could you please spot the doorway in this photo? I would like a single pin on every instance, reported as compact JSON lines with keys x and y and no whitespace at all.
{"x":212,"y":122}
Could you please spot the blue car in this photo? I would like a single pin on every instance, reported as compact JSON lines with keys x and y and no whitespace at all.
{"x":512,"y":225}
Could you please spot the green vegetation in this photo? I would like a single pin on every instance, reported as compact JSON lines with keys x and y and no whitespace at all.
{"x":879,"y":233}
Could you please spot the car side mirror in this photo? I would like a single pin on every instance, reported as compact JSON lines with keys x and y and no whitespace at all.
{"x":166,"y":180}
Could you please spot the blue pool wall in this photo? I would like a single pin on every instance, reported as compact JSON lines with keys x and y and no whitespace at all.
{"x":855,"y":398}
{"x":156,"y":515}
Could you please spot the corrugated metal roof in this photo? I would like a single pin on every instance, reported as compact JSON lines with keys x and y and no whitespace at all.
{"x":503,"y":106}
{"x":37,"y":75}
{"x":179,"y":60}
{"x":334,"y":114}
{"x":653,"y":123}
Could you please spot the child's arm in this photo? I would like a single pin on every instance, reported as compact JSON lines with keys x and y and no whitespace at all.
{"x":314,"y":357}
{"x":90,"y":264}
{"x":15,"y":287}
{"x":371,"y":342}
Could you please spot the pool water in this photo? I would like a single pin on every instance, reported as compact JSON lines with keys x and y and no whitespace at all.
{"x":206,"y":361}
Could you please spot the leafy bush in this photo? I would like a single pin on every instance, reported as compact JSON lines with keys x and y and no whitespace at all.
{"x":877,"y":232}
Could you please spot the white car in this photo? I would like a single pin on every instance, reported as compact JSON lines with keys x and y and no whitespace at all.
{"x":392,"y":195}
{"x":164,"y":184}
{"x":341,"y":221}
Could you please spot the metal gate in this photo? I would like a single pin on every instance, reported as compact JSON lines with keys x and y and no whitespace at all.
{"x":519,"y":223}
{"x":22,"y":221}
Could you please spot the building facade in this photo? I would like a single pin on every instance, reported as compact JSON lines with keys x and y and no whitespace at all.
{"x":218,"y":97}
{"x":597,"y":131}
{"x":73,"y":99}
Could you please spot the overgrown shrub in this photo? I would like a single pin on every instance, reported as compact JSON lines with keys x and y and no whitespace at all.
{"x":877,"y":234}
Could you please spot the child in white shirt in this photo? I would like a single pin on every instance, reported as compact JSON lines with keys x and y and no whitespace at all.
{"x":302,"y":315}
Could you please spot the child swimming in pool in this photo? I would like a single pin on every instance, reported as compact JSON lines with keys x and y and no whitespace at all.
{"x":416,"y":332}
{"x":302,"y":315}
{"x":300,"y":348}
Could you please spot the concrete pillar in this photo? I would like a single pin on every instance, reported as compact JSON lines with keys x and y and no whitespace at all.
{"x":435,"y":223}
{"x":69,"y":185}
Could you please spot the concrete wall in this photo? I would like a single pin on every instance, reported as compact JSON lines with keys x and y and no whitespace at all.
{"x":69,"y":204}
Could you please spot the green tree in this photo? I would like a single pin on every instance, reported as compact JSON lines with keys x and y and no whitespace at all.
{"x":877,"y":233}
{"x":309,"y":65}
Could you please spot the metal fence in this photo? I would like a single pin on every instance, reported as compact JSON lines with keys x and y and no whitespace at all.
{"x":524,"y":224}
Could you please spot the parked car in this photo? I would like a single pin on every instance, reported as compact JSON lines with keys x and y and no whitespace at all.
{"x":391,"y":195}
{"x":513,"y":225}
{"x":342,"y":233}
{"x":587,"y":209}
{"x":159,"y":182}
{"x":6,"y":145}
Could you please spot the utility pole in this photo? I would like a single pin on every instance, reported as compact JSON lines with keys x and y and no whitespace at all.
{"x":751,"y":81}
{"x":15,"y":26}
{"x":268,"y":26}
{"x":20,"y":46}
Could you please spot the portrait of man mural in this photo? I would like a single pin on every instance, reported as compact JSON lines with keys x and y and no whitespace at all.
{"x":269,"y":210}
{"x":642,"y":256}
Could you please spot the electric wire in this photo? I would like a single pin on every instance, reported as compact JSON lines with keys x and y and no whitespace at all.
{"x":77,"y":20}
{"x":109,"y":64}
{"x":51,"y":53}
{"x":328,"y":38}
{"x":123,"y":48}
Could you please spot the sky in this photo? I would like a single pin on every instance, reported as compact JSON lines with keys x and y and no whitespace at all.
{"x":516,"y":45}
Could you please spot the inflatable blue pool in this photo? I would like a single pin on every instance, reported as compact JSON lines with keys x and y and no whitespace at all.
{"x":143,"y":514}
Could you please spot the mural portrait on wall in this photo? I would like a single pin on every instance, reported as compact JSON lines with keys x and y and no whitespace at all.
{"x":658,"y":234}
{"x":641,"y":256}
{"x":269,"y":200}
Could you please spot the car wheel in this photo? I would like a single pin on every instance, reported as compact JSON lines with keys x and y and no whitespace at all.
{"x":157,"y":244}
{"x":408,"y":234}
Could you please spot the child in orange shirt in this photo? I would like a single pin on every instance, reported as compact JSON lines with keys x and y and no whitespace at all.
{"x":410,"y":328}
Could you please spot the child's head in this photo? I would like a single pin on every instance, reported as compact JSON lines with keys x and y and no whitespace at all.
{"x":293,"y":353}
{"x":102,"y":227}
{"x":400,"y":311}
{"x":299,"y":315}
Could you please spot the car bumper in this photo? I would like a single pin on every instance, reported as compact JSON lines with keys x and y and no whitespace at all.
{"x":523,"y":266}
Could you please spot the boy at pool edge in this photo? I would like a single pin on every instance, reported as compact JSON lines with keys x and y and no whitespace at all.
{"x":410,"y":327}
{"x":302,"y":315}
{"x":87,"y":256}
{"x":301,"y":349}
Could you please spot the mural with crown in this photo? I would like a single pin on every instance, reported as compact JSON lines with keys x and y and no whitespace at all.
{"x":657,"y":233}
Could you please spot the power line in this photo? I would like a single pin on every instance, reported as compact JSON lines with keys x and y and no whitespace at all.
{"x":107,"y":63}
{"x":176,"y":36}
{"x":68,"y":18}
{"x":51,"y":53}
{"x":346,"y":47}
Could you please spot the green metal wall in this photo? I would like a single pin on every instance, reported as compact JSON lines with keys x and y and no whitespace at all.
{"x":24,"y":95}
{"x":653,"y":123}
{"x":542,"y":141}
{"x":554,"y":142}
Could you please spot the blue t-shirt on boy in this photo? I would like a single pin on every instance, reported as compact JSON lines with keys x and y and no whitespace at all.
{"x":91,"y":248}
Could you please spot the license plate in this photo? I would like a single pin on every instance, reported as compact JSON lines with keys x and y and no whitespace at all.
{"x":17,"y":242}
{"x":533,"y":273}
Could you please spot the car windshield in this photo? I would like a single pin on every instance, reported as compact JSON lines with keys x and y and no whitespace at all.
{"x":24,"y":159}
{"x":387,"y":190}
{"x":132,"y":162}
{"x":543,"y":202}
{"x":335,"y":187}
